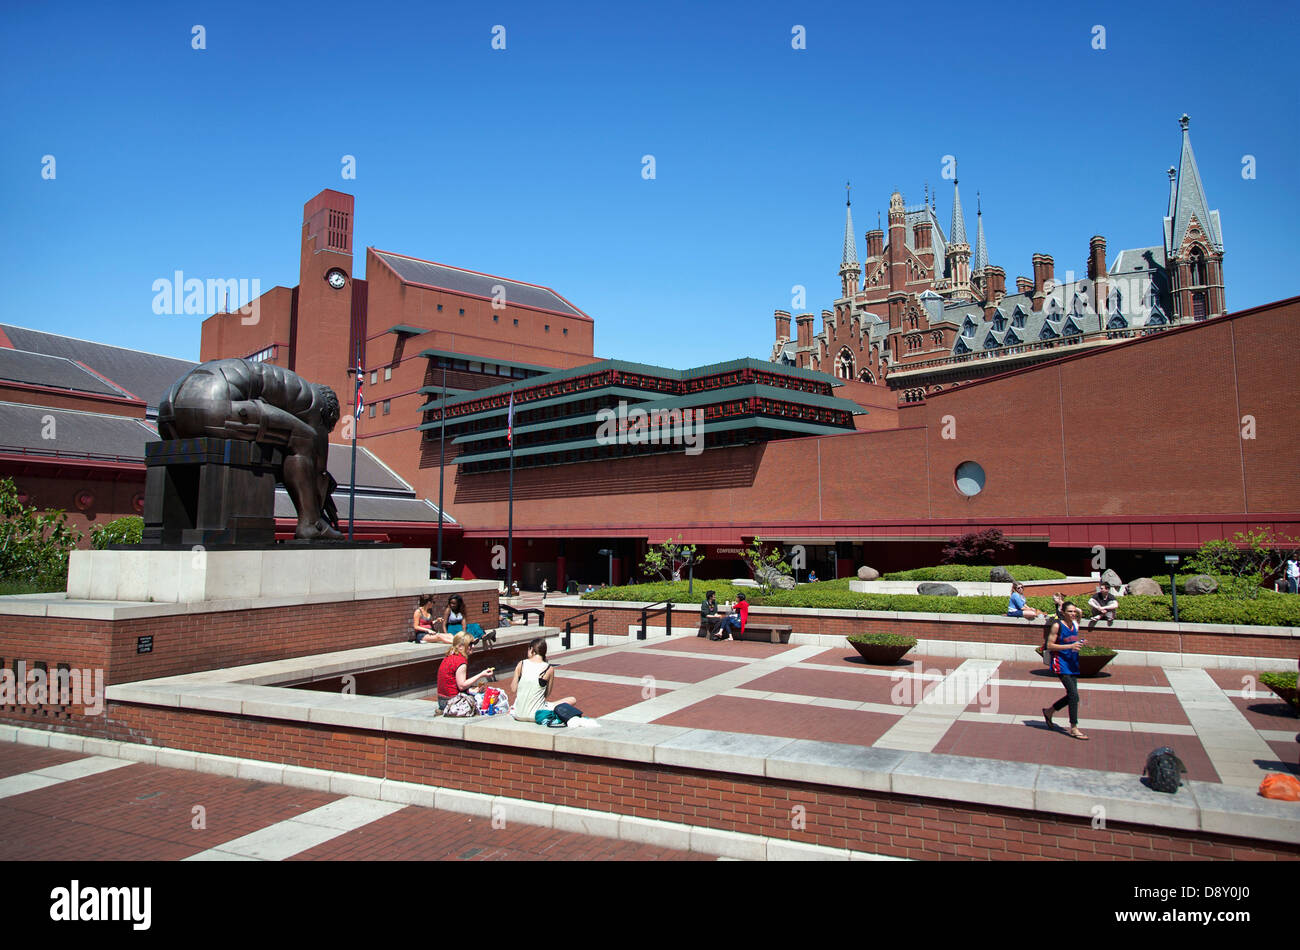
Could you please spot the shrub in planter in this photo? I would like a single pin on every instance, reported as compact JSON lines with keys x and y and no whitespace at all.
{"x":882,"y":649}
{"x":1284,"y":684}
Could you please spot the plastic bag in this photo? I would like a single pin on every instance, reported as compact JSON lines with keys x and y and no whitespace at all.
{"x":1284,"y":788}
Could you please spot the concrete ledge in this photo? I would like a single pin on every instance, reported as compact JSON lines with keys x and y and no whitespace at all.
{"x":733,"y":752}
{"x":981,"y":781}
{"x":836,"y":764}
{"x":1112,"y":796}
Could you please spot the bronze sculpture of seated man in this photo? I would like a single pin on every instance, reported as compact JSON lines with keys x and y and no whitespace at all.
{"x":260,"y":402}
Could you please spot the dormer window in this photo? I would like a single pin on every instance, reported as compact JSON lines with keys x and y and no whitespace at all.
{"x":999,"y":324}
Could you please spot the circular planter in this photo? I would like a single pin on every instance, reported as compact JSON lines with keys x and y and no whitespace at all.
{"x":879,"y":654}
{"x":1090,"y":664}
{"x":1288,"y":693}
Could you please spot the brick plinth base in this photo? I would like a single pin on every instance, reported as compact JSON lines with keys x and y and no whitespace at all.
{"x":882,"y":823}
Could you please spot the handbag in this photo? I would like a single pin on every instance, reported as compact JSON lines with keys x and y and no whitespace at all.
{"x":461,"y":706}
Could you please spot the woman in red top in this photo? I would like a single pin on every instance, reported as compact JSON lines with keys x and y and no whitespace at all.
{"x":451,"y":671}
{"x":738,"y":617}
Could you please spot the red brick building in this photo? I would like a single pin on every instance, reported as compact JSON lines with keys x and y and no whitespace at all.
{"x":924,"y":315}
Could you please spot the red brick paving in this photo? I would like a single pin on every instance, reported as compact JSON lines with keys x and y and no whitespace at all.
{"x":1106,"y":750}
{"x":748,"y":649}
{"x":1266,"y":711}
{"x":423,"y":834}
{"x":1093,"y":704}
{"x":912,"y":663}
{"x":654,"y":663}
{"x":1237,"y":679}
{"x":141,"y":812}
{"x":1288,"y":752}
{"x":795,"y":720}
{"x":854,"y":686}
{"x":1112,"y":675}
{"x":28,"y":758}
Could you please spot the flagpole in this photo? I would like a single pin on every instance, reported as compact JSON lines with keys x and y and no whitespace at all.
{"x":510,"y":528}
{"x":442,"y":460}
{"x":356,"y":423}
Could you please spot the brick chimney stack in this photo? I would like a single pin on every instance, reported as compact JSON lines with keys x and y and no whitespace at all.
{"x":1097,"y":274}
{"x":804,"y":323}
{"x":1044,"y":277}
{"x":782,"y":325}
{"x":875,"y":243}
{"x":1024,"y":285}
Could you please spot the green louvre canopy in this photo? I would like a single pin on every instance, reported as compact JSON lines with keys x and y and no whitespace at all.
{"x":528,"y":406}
{"x":450,"y":355}
{"x":644,"y":369}
{"x":751,"y":422}
{"x":405,"y":329}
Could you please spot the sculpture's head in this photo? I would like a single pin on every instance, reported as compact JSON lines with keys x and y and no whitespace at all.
{"x":329,"y":406}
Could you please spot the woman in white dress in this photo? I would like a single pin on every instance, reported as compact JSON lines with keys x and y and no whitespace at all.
{"x":532,"y":684}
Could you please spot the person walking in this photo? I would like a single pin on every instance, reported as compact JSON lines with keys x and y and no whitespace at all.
{"x":1293,"y":576}
{"x":544,"y":590}
{"x":1063,"y":643}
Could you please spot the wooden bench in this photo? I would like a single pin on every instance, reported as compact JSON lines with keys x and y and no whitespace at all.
{"x":770,"y":632}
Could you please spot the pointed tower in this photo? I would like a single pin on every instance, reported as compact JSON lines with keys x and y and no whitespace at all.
{"x":958,"y":256}
{"x":1193,"y":242}
{"x":850,"y":272}
{"x":981,"y":259}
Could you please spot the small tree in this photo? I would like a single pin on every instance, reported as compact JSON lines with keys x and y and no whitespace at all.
{"x":1243,"y":563}
{"x":127,"y":530}
{"x":34,"y":545}
{"x":668,"y":559}
{"x":766,"y":564}
{"x":977,"y":547}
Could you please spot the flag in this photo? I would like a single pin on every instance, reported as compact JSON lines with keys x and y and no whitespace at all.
{"x":360,"y":401}
{"x":510,"y":422}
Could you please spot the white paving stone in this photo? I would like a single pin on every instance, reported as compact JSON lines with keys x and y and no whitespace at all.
{"x":1233,"y":746}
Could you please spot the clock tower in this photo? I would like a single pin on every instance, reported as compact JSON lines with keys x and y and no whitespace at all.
{"x":324,"y":332}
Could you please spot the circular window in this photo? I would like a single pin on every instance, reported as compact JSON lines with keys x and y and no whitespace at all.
{"x":969,"y":478}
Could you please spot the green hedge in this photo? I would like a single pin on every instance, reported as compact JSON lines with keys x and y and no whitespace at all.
{"x":965,"y":572}
{"x":884,"y":640}
{"x":1269,"y":609}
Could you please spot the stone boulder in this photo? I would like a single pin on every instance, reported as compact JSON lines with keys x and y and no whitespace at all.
{"x":1144,"y":587}
{"x":775,"y":579}
{"x":1111,"y":578}
{"x":1201,"y":584}
{"x":1000,"y":575}
{"x":868,"y":574}
{"x":935,"y":589}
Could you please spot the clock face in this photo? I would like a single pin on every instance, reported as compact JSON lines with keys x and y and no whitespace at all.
{"x":336,"y":278}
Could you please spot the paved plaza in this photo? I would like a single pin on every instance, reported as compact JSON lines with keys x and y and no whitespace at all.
{"x":1226,"y":728}
{"x":1223,"y":724}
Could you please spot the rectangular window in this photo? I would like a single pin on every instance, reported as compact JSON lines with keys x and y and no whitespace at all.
{"x":516,"y":321}
{"x":440,"y":308}
{"x":462,"y":311}
{"x":388,"y":403}
{"x":475,"y":366}
{"x":372,"y":410}
{"x":388,"y":373}
{"x":374,"y":376}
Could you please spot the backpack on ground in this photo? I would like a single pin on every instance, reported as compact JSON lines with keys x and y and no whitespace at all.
{"x":1163,"y":770}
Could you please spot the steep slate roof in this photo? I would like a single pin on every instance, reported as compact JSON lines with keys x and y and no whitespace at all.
{"x":77,"y":434}
{"x":413,"y":270}
{"x":850,"y":242}
{"x":938,"y":242}
{"x":958,"y":219}
{"x":1191,"y":201}
{"x":144,"y":375}
{"x":37,"y":369}
{"x":371,"y":507}
{"x":981,"y":259}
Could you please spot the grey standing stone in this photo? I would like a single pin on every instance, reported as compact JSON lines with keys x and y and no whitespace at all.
{"x":1201,"y":584}
{"x":934,"y":589}
{"x":1111,"y":578}
{"x":1000,"y":575}
{"x":868,"y":573}
{"x":1144,"y":587}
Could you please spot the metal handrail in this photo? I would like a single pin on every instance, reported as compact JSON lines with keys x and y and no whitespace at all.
{"x":591,"y":628}
{"x":651,"y":609}
{"x":513,"y":612}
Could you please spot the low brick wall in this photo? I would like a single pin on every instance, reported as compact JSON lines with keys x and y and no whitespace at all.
{"x":613,"y":619}
{"x":204,"y":639}
{"x":882,"y":823}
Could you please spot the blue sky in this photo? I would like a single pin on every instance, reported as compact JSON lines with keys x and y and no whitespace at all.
{"x":527,"y":162}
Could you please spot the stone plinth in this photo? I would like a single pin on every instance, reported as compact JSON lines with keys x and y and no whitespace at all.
{"x":197,"y":576}
{"x":210,"y":491}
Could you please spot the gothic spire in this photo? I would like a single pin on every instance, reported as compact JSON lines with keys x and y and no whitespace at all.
{"x":957,"y":233}
{"x":981,"y":260}
{"x":1190,"y":198}
{"x":850,"y":243}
